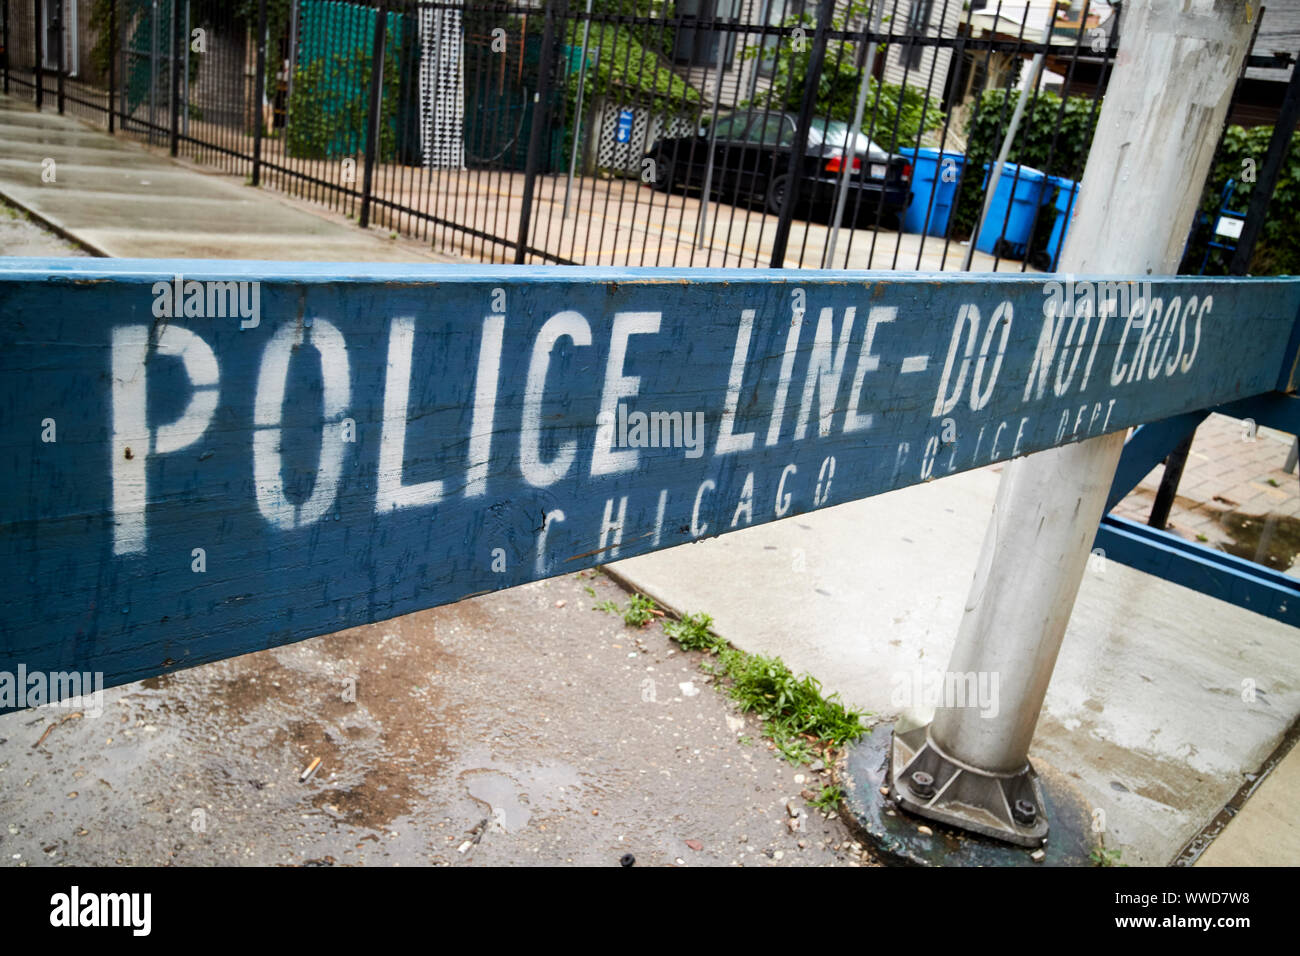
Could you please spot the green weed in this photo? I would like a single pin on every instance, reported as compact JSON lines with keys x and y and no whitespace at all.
{"x":829,"y":799}
{"x":639,"y":612}
{"x":693,"y":634}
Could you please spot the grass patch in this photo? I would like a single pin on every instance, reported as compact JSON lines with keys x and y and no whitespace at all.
{"x":639,"y":612}
{"x":829,"y":799}
{"x":792,"y":708}
{"x":1103,"y":857}
{"x":693,"y":634}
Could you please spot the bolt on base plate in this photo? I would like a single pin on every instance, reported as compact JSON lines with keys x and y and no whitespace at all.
{"x":927,"y":782}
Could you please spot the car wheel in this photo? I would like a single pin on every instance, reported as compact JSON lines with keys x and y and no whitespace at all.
{"x":891,"y":219}
{"x":776,"y":194}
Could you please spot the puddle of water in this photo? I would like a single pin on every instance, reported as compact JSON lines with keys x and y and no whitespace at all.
{"x":1271,"y":540}
{"x":502,"y":795}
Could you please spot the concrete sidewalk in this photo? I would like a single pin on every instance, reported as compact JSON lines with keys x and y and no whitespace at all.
{"x":117,"y":198}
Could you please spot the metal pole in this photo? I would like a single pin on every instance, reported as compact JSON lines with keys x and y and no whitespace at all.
{"x":1155,"y":143}
{"x":174,"y":92}
{"x":541,"y":104}
{"x":38,"y":75}
{"x":259,"y":92}
{"x":1262,"y":193}
{"x":705,"y":199}
{"x":373,"y":116}
{"x":59,"y":55}
{"x":6,"y":43}
{"x":112,"y":64}
{"x":799,"y":148}
{"x":122,"y":98}
{"x":185,"y":72}
{"x":577,"y":114}
{"x":995,"y":173}
{"x":1174,"y":465}
{"x":855,"y":129}
{"x":153,"y":70}
{"x":293,"y":56}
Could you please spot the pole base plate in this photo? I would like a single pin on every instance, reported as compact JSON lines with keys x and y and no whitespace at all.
{"x":895,"y":837}
{"x":1002,"y":806}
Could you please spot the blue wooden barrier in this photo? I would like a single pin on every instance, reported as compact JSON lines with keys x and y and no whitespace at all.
{"x":202,"y":459}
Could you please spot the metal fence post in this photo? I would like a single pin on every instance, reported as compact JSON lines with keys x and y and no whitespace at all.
{"x":540,"y":125}
{"x":59,"y":55}
{"x":1175,"y":462}
{"x":38,"y":77}
{"x":6,"y":43}
{"x":112,"y":63}
{"x":374,"y":115}
{"x":259,"y":92}
{"x":122,"y":99}
{"x":577,"y":113}
{"x":175,"y":79}
{"x":855,"y":131}
{"x":1278,"y":147}
{"x":800,"y":146}
{"x":995,"y":171}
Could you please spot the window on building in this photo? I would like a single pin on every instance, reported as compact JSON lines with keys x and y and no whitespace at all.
{"x":775,"y":13}
{"x":918,"y":23}
{"x":697,"y":42}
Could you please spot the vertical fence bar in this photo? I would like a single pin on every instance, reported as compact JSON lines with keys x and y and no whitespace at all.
{"x":59,"y":64}
{"x":706,"y":196}
{"x":112,"y":64}
{"x":174,"y":77}
{"x":374,"y":115}
{"x":5,"y":40}
{"x":851,"y":142}
{"x":185,"y":70}
{"x":541,"y":104}
{"x":800,"y":146}
{"x":1262,"y":193}
{"x":577,"y":113}
{"x":38,"y":75}
{"x":259,"y":92}
{"x":995,"y":172}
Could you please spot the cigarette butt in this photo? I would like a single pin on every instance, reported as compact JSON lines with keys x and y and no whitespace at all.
{"x":311,"y":769}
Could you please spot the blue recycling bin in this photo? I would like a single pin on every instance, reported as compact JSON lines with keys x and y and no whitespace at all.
{"x":1023,"y":194}
{"x":1067,"y":200}
{"x":928,"y":181}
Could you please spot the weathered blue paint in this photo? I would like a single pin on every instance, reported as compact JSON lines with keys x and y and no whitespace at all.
{"x":84,"y":587}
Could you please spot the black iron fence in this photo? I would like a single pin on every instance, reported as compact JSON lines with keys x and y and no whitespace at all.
{"x":724,"y":133}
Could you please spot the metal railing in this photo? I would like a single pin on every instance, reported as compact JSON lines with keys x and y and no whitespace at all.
{"x":604,"y":131}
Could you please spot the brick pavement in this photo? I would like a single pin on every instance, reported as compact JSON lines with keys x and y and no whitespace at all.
{"x":1234,"y":493}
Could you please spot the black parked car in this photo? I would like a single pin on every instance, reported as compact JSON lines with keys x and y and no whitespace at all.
{"x":751,"y":159}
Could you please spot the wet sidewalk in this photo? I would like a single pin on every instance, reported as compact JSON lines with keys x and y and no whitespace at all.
{"x":116,"y":198}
